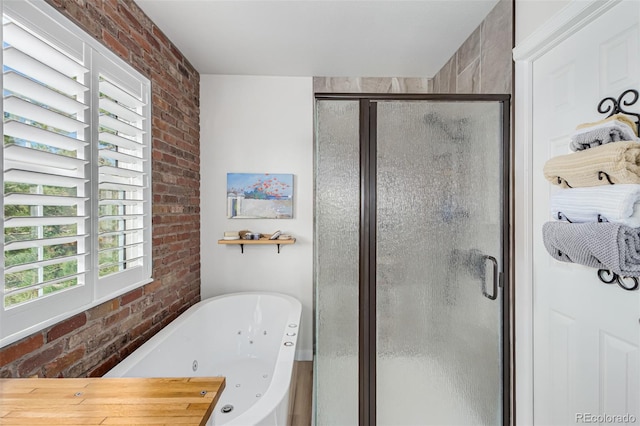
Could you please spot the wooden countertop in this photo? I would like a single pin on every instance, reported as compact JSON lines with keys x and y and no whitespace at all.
{"x":93,"y":401}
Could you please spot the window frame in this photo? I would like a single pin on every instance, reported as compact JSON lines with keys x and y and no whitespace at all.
{"x":27,"y":318}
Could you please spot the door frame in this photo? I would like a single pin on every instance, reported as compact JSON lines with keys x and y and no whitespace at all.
{"x":367,"y":272}
{"x":575,"y":16}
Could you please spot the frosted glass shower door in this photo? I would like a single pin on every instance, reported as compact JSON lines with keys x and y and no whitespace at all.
{"x":410,"y":244}
{"x":439,"y":252}
{"x":337,"y":190}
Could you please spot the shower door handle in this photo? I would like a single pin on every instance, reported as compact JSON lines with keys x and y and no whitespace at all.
{"x":496,"y":276}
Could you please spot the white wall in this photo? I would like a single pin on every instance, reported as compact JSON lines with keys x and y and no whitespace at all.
{"x":259,"y":125}
{"x":531,"y":14}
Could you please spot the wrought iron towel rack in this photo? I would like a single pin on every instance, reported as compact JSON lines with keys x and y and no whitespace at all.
{"x":615,"y":106}
{"x":612,"y":106}
{"x":617,"y":279}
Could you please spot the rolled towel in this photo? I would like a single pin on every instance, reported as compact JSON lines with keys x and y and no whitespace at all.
{"x":611,"y":203}
{"x":607,"y":132}
{"x":617,"y":162}
{"x":616,"y":117}
{"x":599,"y":245}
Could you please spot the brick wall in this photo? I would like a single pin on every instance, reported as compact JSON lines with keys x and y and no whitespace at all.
{"x":90,"y":343}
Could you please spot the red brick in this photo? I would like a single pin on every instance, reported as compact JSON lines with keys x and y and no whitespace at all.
{"x":175,"y":307}
{"x":142,"y":304}
{"x":152,"y":331}
{"x":141,"y":41}
{"x":54,"y":368}
{"x":21,"y":348}
{"x":132,"y":47}
{"x":151,"y":311}
{"x":160,"y":316}
{"x":104,"y":366}
{"x":152,"y":40}
{"x":99,"y":20}
{"x":114,"y":44}
{"x":129,"y":323}
{"x":131,"y":346}
{"x":101,"y":340}
{"x":66,"y":326}
{"x":88,"y":362}
{"x":131,"y":296}
{"x":176,"y":52}
{"x":104,"y":309}
{"x":153,"y":286}
{"x":114,"y":346}
{"x":85,"y":335}
{"x":133,"y":22}
{"x":117,"y":317}
{"x":33,"y":365}
{"x":139,"y":329}
{"x":111,"y":11}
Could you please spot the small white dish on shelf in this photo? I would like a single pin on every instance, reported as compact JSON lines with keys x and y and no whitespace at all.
{"x":275,"y":235}
{"x":231,"y":238}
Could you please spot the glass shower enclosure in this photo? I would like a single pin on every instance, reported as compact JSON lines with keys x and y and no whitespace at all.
{"x":411,"y":260}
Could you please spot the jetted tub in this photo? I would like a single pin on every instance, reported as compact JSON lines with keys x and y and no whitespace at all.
{"x":249,"y":338}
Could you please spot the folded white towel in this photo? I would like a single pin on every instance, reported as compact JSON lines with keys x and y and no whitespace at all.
{"x":600,"y":134}
{"x":611,"y":203}
{"x":625,"y":126}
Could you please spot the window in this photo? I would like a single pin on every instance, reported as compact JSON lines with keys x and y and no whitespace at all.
{"x":76,"y":157}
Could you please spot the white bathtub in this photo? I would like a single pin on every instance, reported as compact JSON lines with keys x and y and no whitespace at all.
{"x":249,"y":338}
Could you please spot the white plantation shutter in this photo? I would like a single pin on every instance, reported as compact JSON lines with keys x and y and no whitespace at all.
{"x":76,"y":171}
{"x":123,"y":182}
{"x":45,"y":154}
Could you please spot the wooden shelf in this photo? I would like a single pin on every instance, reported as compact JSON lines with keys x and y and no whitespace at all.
{"x":261,"y":241}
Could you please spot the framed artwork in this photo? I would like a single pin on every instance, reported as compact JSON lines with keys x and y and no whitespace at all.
{"x":259,"y":196}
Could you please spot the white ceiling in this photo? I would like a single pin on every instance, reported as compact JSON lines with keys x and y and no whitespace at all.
{"x":369,"y":38}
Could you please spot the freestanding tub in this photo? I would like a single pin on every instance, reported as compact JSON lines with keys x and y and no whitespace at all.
{"x":249,"y":338}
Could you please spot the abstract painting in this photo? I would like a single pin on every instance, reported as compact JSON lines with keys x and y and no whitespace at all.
{"x":259,"y":196}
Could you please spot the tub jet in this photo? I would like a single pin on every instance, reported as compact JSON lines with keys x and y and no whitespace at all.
{"x":227,"y":408}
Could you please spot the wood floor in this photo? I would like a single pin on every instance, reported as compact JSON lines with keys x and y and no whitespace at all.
{"x":300,"y":411}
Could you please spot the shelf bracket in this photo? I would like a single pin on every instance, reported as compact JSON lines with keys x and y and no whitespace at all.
{"x":242,"y":248}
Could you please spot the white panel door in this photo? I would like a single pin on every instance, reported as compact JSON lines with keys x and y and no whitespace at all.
{"x":586,"y":333}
